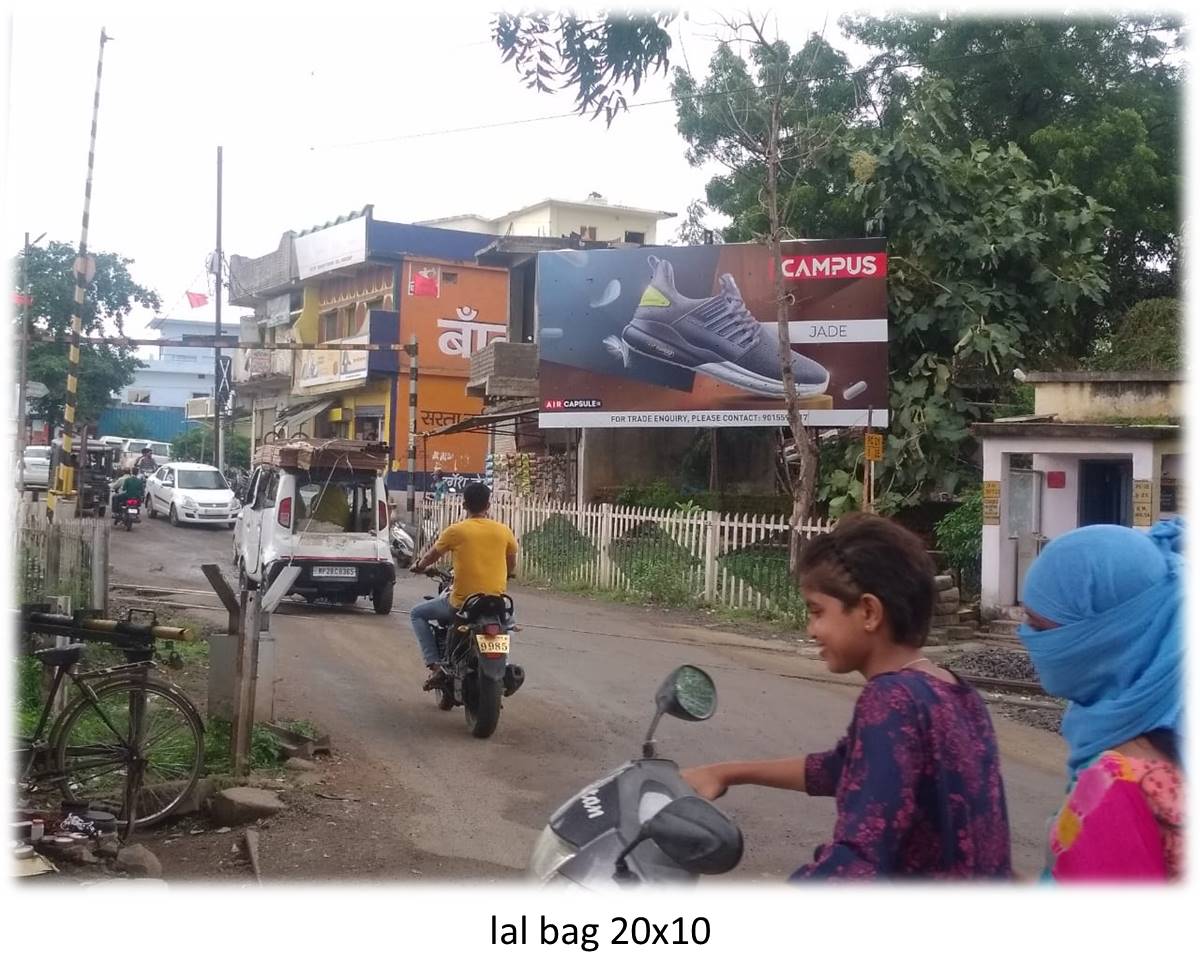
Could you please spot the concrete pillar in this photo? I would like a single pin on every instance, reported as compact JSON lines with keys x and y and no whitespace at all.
{"x":1146,"y":485}
{"x":999,"y":558}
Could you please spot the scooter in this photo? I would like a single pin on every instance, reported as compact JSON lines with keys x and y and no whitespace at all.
{"x":642,"y":823}
{"x":402,"y":545}
{"x":474,"y":649}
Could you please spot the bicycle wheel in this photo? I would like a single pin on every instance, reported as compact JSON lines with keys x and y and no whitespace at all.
{"x":97,"y":750}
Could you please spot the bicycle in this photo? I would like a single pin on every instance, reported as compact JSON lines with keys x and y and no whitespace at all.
{"x":125,"y":743}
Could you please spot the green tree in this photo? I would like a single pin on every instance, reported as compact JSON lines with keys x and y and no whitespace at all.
{"x":1096,"y":100}
{"x":595,"y":56}
{"x":693,"y":230}
{"x":1147,"y":339}
{"x":989,"y":263}
{"x":770,"y":126}
{"x":103,"y":368}
{"x":196,"y":446}
{"x":729,"y":128}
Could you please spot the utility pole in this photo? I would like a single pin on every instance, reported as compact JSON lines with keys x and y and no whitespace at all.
{"x":218,"y":442}
{"x":412,"y":431}
{"x":23,"y":342}
{"x":64,"y":479}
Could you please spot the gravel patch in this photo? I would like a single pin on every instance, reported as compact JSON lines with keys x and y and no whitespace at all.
{"x":1003,"y":663}
{"x":1048,"y":719}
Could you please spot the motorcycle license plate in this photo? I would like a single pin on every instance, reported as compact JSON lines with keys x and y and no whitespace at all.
{"x":335,"y":571}
{"x":493,"y":646}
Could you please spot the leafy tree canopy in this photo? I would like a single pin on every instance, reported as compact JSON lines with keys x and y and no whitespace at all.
{"x":596,"y":56}
{"x":110,"y":298}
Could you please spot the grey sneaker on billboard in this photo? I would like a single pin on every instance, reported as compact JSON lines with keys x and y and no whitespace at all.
{"x":717,"y":336}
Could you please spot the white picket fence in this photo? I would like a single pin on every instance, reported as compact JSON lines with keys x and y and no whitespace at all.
{"x":733,"y":560}
{"x":68,"y":557}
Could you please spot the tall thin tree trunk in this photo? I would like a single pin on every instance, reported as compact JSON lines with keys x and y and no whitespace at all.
{"x":803,"y":489}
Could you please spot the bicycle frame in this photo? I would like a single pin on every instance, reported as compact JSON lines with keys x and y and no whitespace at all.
{"x":34,"y":767}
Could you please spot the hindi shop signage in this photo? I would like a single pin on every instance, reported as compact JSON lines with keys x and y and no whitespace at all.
{"x":464,"y":336}
{"x":688,"y":336}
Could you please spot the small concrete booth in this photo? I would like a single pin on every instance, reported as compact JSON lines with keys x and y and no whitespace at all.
{"x":1100,"y":448}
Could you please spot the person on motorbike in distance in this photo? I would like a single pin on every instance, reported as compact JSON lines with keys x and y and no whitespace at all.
{"x":128,"y":486}
{"x":485,"y":556}
{"x":146,"y":463}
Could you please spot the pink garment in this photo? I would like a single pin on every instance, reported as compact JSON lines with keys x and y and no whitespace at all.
{"x":1123,"y":821}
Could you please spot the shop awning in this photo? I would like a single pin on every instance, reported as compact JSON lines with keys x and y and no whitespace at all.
{"x":485,"y":422}
{"x":299,"y":414}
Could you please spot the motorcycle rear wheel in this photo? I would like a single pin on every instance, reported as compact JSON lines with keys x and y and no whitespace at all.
{"x":481,"y":697}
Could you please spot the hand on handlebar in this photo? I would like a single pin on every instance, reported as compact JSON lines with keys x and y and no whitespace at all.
{"x":707,"y":781}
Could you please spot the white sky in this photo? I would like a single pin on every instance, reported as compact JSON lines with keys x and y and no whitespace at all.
{"x":270,"y":85}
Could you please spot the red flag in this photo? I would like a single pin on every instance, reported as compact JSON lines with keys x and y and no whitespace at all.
{"x":20,"y":299}
{"x":197,"y":299}
{"x":426,"y":282}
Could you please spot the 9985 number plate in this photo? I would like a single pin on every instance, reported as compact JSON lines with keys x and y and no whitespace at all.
{"x":493,"y":646}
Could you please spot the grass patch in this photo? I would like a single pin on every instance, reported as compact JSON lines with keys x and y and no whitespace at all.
{"x":301,"y":726}
{"x":556,"y":550}
{"x":265,"y":750}
{"x":29,"y":695}
{"x":184,"y":653}
{"x":655,"y":565}
{"x":765,"y":569}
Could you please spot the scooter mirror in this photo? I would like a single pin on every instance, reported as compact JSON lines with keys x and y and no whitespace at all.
{"x":688,"y":693}
{"x":696,"y":835}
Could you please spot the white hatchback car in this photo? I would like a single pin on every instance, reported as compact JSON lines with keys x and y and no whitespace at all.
{"x":33,"y":468}
{"x":191,"y":493}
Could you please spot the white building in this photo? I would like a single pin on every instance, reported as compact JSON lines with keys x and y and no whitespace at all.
{"x":593,"y":219}
{"x":176,"y":375}
{"x":1100,"y":448}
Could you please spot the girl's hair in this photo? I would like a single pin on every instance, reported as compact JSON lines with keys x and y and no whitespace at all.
{"x":869,"y":554}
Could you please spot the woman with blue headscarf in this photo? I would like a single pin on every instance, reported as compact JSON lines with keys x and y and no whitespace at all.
{"x":1104,"y":610}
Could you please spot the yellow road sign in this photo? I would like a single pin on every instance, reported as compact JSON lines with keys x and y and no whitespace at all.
{"x":874,"y":447}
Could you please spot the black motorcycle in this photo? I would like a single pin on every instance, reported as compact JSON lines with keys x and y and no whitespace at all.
{"x":126,"y":511}
{"x":474,"y":649}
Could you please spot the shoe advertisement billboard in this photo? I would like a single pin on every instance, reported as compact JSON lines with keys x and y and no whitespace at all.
{"x":688,"y":335}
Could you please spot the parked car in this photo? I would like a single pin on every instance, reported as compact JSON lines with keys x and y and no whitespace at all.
{"x":333,"y":524}
{"x":191,"y":493}
{"x":33,"y":468}
{"x":131,"y":452}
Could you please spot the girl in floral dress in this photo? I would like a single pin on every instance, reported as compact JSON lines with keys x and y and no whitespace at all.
{"x":917,"y":776}
{"x":1104,"y":610}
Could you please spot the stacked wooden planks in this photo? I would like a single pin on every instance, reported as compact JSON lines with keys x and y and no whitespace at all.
{"x":355,"y":454}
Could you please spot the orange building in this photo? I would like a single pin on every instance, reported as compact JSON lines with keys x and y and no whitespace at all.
{"x":452,"y":309}
{"x":382,"y":282}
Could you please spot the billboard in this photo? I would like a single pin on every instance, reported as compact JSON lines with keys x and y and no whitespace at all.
{"x":338,"y":246}
{"x":688,"y":336}
{"x":330,"y":369}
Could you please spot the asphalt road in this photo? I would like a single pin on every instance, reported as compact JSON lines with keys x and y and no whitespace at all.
{"x":456,"y":806}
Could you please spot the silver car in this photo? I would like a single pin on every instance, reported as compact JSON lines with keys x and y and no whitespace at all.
{"x":33,"y":469}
